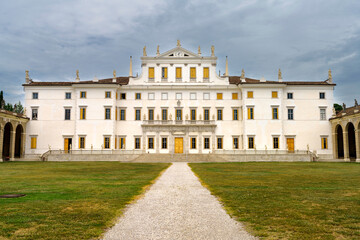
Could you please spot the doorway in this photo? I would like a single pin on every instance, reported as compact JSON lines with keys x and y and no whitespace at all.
{"x":67,"y":144}
{"x":290,"y":144}
{"x":179,"y":145}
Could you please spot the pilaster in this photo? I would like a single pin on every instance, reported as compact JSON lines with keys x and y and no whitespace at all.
{"x":1,"y":143}
{"x":200,"y":146}
{"x":334,"y":144}
{"x":346,"y":146}
{"x":157,"y":142}
{"x":22,"y":147}
{"x":357,"y":144}
{"x":12,"y":145}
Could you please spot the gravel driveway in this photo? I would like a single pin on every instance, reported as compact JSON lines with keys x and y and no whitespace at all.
{"x":177,"y":206}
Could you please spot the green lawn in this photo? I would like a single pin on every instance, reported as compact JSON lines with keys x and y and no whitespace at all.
{"x":68,"y":200}
{"x":289,"y":200}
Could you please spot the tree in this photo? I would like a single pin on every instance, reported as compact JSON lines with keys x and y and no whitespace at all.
{"x":338,"y":107}
{"x":2,"y":101}
{"x":18,"y":108}
{"x":9,"y":107}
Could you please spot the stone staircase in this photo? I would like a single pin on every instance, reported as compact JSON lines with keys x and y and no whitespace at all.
{"x":178,"y":158}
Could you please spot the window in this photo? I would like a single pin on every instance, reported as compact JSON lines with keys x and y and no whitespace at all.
{"x":81,"y":142}
{"x":275,"y":113}
{"x":138,"y":114}
{"x":206,"y":73}
{"x":290,"y":114}
{"x":322,"y":114}
{"x":192,"y":96}
{"x":122,"y":114}
{"x":235,"y":114}
{"x":164,"y":96}
{"x":193,"y":73}
{"x":276,"y":142}
{"x":193,"y":114}
{"x":206,"y":96}
{"x":67,"y":113}
{"x":219,"y":96}
{"x":107,"y":113}
{"x":178,"y":96}
{"x":68,"y":95}
{"x":137,"y":143}
{"x":290,"y":95}
{"x":324,"y":143}
{"x":251,"y":142}
{"x":274,"y":94}
{"x":164,"y":143}
{"x":236,"y":143}
{"x":164,"y":115}
{"x":35,"y":95}
{"x":235,"y":96}
{"x":250,"y":113}
{"x":82,"y":94}
{"x":206,"y":143}
{"x":178,"y":73}
{"x":107,"y":94}
{"x":151,"y":96}
{"x":116,"y":113}
{"x":219,"y":114}
{"x":33,"y":142}
{"x":164,"y":73}
{"x":151,"y":114}
{"x":122,"y":143}
{"x":82,"y":113}
{"x":34,"y":114}
{"x":206,"y":114}
{"x":137,"y":96}
{"x":123,"y":96}
{"x":107,"y":142}
{"x":150,"y":143}
{"x":250,"y":94}
{"x":178,"y":114}
{"x":219,"y":143}
{"x":193,"y":143}
{"x":322,"y":95}
{"x":151,"y":73}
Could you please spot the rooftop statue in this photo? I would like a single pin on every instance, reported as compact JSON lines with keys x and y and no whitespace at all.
{"x":144,"y":51}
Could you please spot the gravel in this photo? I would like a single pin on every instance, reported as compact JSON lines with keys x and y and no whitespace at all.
{"x":177,"y":206}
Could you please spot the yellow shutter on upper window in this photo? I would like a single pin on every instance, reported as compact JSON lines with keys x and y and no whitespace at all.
{"x":206,"y":72}
{"x":178,"y":72}
{"x":192,"y":72}
{"x":250,"y":94}
{"x":79,"y":142}
{"x":115,"y":142}
{"x":151,"y":72}
{"x":235,"y":96}
{"x":165,"y":72}
{"x":219,"y":96}
{"x":81,"y":114}
{"x":274,"y":94}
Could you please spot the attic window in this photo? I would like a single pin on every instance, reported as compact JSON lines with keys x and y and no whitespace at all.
{"x":171,"y":55}
{"x":186,"y":55}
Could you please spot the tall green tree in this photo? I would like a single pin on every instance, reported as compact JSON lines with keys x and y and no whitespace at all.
{"x":338,"y":107}
{"x":9,"y":107}
{"x":2,"y":101}
{"x":18,"y":108}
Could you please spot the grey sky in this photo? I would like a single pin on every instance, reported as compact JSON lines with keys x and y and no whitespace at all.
{"x":304,"y":38}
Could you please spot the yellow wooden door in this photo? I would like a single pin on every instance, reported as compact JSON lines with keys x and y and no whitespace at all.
{"x":66,"y":144}
{"x":178,"y":145}
{"x":290,"y":144}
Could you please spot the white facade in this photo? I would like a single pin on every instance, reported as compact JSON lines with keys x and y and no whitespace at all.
{"x":180,"y":96}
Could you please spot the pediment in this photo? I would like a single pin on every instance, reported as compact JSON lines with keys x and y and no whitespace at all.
{"x":178,"y":52}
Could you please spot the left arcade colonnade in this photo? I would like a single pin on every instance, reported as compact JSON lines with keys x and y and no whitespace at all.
{"x":12,"y":135}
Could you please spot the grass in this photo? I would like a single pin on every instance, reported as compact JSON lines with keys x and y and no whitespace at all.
{"x":289,"y":200}
{"x":68,"y":200}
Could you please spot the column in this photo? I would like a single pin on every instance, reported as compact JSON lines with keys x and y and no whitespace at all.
{"x":346,"y":146}
{"x":1,"y":142}
{"x":12,"y":144}
{"x":335,"y":145}
{"x":157,"y":142}
{"x":144,"y":142}
{"x":357,"y":143}
{"x":171,"y":143}
{"x":186,"y":142}
{"x":22,"y":147}
{"x":213,"y":142}
{"x":200,"y":146}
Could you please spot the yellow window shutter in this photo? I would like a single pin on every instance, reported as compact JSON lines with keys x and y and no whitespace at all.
{"x":192,"y":72}
{"x":151,"y":72}
{"x":117,"y":95}
{"x":166,"y":72}
{"x":250,"y":94}
{"x":234,"y":96}
{"x":206,"y":72}
{"x":81,"y":114}
{"x":219,"y":96}
{"x":79,"y":142}
{"x":178,"y":72}
{"x":274,"y":94}
{"x":115,"y":142}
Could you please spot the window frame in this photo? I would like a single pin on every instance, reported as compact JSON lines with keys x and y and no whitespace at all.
{"x":208,"y":114}
{"x":219,"y":96}
{"x":164,"y":143}
{"x":107,"y":94}
{"x":219,"y":143}
{"x":137,"y":141}
{"x":324,"y":143}
{"x":275,"y":113}
{"x":68,"y":94}
{"x":35,"y":95}
{"x":322,"y":95}
{"x":137,"y":96}
{"x":251,"y":144}
{"x":107,"y":142}
{"x":151,"y":73}
{"x":274,"y":94}
{"x":122,"y":114}
{"x":250,"y":94}
{"x":236,"y":145}
{"x":193,"y":143}
{"x":219,"y":114}
{"x":290,"y":114}
{"x":137,"y":114}
{"x":251,"y":113}
{"x":151,"y":113}
{"x":81,"y":142}
{"x":206,"y":143}
{"x":235,"y":96}
{"x":83,"y":94}
{"x":82,"y":113}
{"x":290,"y":95}
{"x":152,"y":142}
{"x":235,"y":114}
{"x":192,"y":73}
{"x":276,"y":142}
{"x":107,"y":113}
{"x":69,"y":115}
{"x":34,"y":114}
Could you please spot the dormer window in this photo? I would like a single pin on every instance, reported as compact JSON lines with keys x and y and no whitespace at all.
{"x":151,"y":73}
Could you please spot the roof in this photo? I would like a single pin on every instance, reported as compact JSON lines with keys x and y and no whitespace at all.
{"x":6,"y":112}
{"x":348,"y":111}
{"x":237,"y":80}
{"x":119,"y":80}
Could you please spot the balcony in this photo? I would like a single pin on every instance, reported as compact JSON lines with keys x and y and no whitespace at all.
{"x":179,"y":122}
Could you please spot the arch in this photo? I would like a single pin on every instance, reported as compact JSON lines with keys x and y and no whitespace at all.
{"x":351,"y":140}
{"x":339,"y":141}
{"x":8,"y":128}
{"x":18,"y":141}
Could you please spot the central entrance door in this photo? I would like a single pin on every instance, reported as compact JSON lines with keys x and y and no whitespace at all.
{"x":179,"y":145}
{"x":67,"y":144}
{"x":290,"y":144}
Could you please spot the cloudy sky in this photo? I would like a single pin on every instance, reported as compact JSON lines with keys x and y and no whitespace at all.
{"x":304,"y":38}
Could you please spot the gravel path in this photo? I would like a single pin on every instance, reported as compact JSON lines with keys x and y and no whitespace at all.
{"x":177,"y":206}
